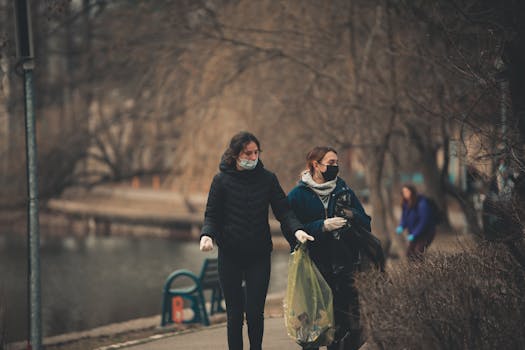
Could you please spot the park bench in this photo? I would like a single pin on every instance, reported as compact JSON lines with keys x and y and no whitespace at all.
{"x":173,"y":298}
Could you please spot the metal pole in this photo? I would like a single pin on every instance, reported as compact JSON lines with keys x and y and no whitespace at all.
{"x":25,"y":53}
{"x":32,"y":211}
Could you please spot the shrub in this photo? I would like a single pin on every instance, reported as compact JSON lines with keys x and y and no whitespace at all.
{"x":468,"y":300}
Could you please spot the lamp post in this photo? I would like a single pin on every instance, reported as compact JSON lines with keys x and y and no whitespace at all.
{"x":24,"y":45}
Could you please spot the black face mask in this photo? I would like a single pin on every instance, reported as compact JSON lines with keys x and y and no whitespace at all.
{"x":330,"y":173}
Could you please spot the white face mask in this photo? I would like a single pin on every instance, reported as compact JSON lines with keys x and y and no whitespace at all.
{"x":248,"y":164}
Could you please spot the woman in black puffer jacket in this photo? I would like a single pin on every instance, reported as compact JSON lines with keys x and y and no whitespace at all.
{"x":236,"y":219}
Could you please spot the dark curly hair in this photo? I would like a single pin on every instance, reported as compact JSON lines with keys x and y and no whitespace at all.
{"x":237,"y":144}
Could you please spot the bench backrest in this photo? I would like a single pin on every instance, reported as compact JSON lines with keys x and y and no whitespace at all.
{"x":209,"y":277}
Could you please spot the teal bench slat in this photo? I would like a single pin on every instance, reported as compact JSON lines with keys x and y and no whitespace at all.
{"x":207,"y":280}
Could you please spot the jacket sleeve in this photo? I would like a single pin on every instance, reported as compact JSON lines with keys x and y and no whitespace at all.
{"x":424,"y":214}
{"x":282,"y":211}
{"x":313,"y":228}
{"x":402,"y":221}
{"x":360,"y":216}
{"x":213,"y":214}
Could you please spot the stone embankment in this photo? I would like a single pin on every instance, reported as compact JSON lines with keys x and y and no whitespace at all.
{"x":119,"y":210}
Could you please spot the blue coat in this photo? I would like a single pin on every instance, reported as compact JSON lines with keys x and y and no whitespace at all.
{"x":310,"y":211}
{"x":418,"y":220}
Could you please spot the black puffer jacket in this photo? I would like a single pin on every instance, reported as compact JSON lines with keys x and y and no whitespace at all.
{"x":237,"y":210}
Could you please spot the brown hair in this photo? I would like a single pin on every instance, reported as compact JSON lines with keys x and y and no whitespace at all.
{"x":317,"y":154}
{"x":237,"y":144}
{"x":411,"y":202}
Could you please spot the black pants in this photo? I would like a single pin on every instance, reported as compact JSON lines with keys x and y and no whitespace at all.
{"x":256,"y":275}
{"x":346,"y":313}
{"x":419,"y":245}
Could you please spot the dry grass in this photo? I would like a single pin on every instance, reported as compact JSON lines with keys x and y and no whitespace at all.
{"x":469,"y":299}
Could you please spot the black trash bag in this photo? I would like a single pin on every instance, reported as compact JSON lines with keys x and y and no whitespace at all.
{"x":365,"y":249}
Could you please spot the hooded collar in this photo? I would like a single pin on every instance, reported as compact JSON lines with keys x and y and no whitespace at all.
{"x":322,"y":189}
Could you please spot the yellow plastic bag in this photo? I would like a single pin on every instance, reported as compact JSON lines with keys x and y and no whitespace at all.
{"x":308,"y":306}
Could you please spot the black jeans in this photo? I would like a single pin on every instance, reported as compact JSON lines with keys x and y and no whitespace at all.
{"x":346,"y":312}
{"x":419,"y":245}
{"x":256,"y":274}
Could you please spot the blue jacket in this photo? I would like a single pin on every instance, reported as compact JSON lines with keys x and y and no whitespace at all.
{"x":419,"y":219}
{"x":310,"y":211}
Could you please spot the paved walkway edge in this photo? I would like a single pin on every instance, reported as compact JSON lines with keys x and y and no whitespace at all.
{"x":155,"y":337}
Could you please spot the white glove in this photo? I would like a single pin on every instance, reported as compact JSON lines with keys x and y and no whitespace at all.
{"x":303,"y":236}
{"x":206,"y":244}
{"x":334,"y":223}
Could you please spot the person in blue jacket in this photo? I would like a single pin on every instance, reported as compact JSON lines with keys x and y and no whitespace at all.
{"x":331,"y":244}
{"x":416,"y":218}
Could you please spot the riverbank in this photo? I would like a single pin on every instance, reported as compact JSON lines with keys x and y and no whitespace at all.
{"x":109,"y":211}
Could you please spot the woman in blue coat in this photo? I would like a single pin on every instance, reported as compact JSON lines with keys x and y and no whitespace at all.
{"x":331,"y":244}
{"x":418,"y":219}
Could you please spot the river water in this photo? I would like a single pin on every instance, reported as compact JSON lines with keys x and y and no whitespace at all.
{"x":91,"y":281}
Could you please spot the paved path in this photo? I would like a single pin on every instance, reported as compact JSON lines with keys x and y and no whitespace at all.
{"x":214,"y":338}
